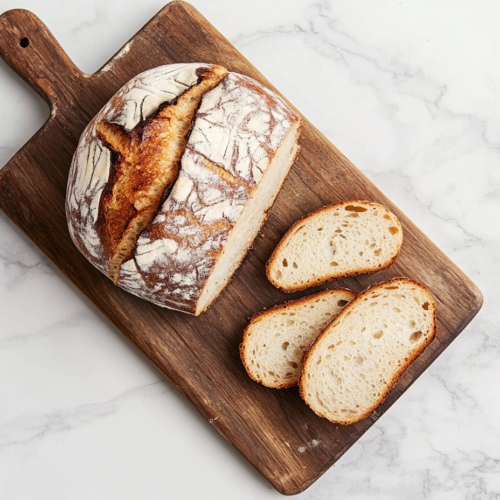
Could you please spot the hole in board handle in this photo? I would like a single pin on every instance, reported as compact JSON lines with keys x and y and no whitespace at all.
{"x":24,"y":43}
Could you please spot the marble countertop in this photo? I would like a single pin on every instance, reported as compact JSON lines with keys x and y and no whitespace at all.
{"x":408,"y":91}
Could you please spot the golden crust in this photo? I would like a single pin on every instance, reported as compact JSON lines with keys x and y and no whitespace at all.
{"x":307,"y":354}
{"x":148,"y":166}
{"x":272,"y":310}
{"x":326,"y":279}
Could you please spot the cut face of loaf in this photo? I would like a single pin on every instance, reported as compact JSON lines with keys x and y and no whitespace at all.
{"x":355,"y":361}
{"x":341,"y":240}
{"x":172,"y":180}
{"x":275,"y":340}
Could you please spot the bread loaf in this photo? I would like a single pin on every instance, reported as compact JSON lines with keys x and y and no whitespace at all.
{"x":172,"y":180}
{"x":350,"y":368}
{"x":275,"y":340}
{"x":334,"y":242}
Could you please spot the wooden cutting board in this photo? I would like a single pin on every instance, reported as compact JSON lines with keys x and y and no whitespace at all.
{"x":276,"y":432}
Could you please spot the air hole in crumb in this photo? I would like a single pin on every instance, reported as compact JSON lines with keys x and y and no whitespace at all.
{"x":377,"y":252}
{"x":415,"y":336}
{"x":354,"y":208}
{"x":352,"y":215}
{"x":378,"y":334}
{"x":396,"y":309}
{"x":278,"y":274}
{"x":388,"y":217}
{"x":320,"y":229}
{"x":360,"y":253}
{"x":24,"y":43}
{"x":426,"y":306}
{"x":359,"y":360}
{"x":393,"y":230}
{"x":295,"y":265}
{"x":285,"y":263}
{"x":342,"y":303}
{"x":392,"y":287}
{"x":412,"y":324}
{"x":293,"y":364}
{"x":271,"y":373}
{"x":333,"y":264}
{"x":338,"y":230}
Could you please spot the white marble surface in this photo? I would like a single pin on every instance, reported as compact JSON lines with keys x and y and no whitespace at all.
{"x":410,"y":92}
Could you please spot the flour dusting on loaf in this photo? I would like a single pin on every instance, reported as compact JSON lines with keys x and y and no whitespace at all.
{"x":241,"y":146}
{"x":144,"y":94}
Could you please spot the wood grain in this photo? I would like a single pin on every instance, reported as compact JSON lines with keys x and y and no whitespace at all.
{"x":199,"y":356}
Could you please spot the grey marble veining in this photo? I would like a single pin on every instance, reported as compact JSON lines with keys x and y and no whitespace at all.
{"x":408,"y":91}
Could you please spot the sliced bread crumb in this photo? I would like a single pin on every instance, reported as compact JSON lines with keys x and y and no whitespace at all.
{"x":351,"y":367}
{"x":340,"y":240}
{"x":275,"y":340}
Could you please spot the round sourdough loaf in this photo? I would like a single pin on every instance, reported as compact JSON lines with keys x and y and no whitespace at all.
{"x":172,"y":180}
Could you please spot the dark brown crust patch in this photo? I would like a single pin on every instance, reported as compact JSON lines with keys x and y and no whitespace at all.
{"x":272,"y":310}
{"x":332,"y":277}
{"x":149,"y":166}
{"x":400,"y":372}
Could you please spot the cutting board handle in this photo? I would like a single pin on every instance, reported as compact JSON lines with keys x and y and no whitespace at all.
{"x":29,"y":48}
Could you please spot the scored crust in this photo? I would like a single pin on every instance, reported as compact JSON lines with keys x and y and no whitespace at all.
{"x":272,"y":263}
{"x":148,"y":164}
{"x":404,"y":366}
{"x":240,"y":129}
{"x":273,"y":310}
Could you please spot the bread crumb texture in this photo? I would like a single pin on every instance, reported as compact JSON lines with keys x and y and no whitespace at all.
{"x":333,"y":242}
{"x":274,"y":341}
{"x":353,"y":364}
{"x":162,"y":175}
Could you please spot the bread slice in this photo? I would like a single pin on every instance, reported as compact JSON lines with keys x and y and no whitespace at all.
{"x":359,"y":356}
{"x":340,"y":240}
{"x":275,"y":340}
